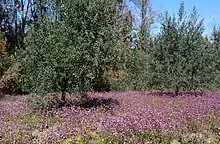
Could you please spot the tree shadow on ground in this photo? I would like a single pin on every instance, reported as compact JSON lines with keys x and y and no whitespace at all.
{"x":83,"y":100}
{"x":54,"y":101}
{"x":97,"y":102}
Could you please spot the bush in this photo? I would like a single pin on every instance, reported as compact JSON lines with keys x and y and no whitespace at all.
{"x":3,"y":56}
{"x":9,"y":70}
{"x":10,"y":81}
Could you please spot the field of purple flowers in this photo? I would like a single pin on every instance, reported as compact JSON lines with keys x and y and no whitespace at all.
{"x":131,"y":117}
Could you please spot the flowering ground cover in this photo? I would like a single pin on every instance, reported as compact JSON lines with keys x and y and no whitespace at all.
{"x":131,"y":117}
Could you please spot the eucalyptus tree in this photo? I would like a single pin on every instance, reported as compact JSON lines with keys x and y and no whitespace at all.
{"x":16,"y":17}
{"x":147,"y":18}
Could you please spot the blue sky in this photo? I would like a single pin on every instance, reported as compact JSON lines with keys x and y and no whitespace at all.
{"x":209,"y":10}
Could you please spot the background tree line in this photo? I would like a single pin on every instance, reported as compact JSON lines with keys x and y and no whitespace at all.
{"x":83,"y":45}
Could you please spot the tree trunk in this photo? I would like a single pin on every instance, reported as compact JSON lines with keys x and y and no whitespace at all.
{"x":63,"y":97}
{"x":177,"y":91}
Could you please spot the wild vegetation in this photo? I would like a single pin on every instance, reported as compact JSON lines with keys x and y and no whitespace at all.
{"x":129,"y":117}
{"x":73,"y":71}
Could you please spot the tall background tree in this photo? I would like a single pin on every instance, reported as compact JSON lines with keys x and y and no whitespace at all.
{"x":136,"y":66}
{"x":147,"y":17}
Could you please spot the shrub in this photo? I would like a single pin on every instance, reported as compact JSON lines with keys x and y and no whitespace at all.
{"x":10,"y":81}
{"x":9,"y":70}
{"x":3,"y":56}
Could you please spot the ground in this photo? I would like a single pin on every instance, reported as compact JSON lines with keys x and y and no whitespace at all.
{"x":130,"y":117}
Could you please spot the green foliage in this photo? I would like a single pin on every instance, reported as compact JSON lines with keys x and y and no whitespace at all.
{"x":48,"y":61}
{"x":147,"y":17}
{"x":82,"y":44}
{"x":181,"y":59}
{"x":216,"y":52}
{"x":216,"y":37}
{"x":136,"y":73}
{"x":96,"y":25}
{"x":68,"y":55}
